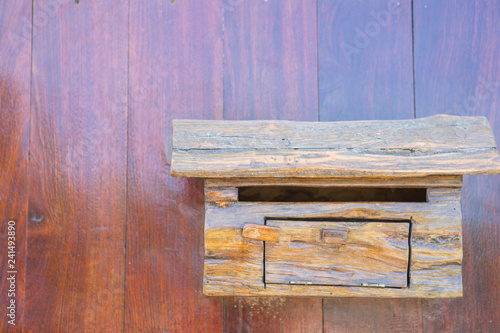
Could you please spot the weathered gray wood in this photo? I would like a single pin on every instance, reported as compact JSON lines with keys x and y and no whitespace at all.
{"x":434,"y":133}
{"x":221,"y":185}
{"x":375,"y":253}
{"x":438,"y":145}
{"x":216,"y":194}
{"x":324,"y":164}
{"x":234,"y":265}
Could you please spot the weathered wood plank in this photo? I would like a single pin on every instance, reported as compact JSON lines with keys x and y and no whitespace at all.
{"x":219,"y":194}
{"x":426,"y":135}
{"x":324,"y":163}
{"x":212,"y":184}
{"x":443,"y":193}
{"x":374,"y":253}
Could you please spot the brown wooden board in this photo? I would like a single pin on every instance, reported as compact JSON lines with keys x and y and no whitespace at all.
{"x":15,"y":77}
{"x":78,"y":166}
{"x":175,"y":72}
{"x":270,"y":72}
{"x":373,"y":315}
{"x":270,"y":60}
{"x":457,"y":71}
{"x":365,"y":60}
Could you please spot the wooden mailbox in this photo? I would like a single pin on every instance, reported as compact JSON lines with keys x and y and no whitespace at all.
{"x":368,"y":208}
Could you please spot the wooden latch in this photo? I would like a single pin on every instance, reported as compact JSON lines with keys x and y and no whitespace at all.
{"x":261,"y":232}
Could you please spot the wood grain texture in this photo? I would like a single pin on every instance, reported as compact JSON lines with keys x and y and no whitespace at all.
{"x":436,"y":145}
{"x":175,"y":72}
{"x":372,"y":315}
{"x":365,"y":60}
{"x":273,"y":314}
{"x":270,"y":72}
{"x":324,"y":164}
{"x":374,"y":253}
{"x":234,"y":266}
{"x":225,"y":184}
{"x":457,"y":72}
{"x":15,"y":59}
{"x":77,"y":187}
{"x":221,"y":194}
{"x":270,"y":60}
{"x":425,"y":135}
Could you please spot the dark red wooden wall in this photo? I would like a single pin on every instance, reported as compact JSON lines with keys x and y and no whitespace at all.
{"x":107,"y":241}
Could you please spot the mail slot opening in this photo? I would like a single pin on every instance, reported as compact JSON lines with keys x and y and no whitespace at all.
{"x":330,"y":194}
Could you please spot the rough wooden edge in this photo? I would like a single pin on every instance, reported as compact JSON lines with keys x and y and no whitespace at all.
{"x":443,"y":194}
{"x":220,"y":193}
{"x":457,"y":131}
{"x":330,"y":164}
{"x":428,"y":182}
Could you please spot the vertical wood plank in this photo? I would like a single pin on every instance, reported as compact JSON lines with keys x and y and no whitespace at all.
{"x":372,"y":315}
{"x":175,"y":72}
{"x":270,"y":72}
{"x":15,"y":69}
{"x":270,"y":60}
{"x":457,"y":72}
{"x":365,"y":60}
{"x":77,"y":186}
{"x":366,"y":72}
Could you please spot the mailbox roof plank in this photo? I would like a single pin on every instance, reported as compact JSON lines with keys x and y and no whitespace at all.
{"x":437,"y":145}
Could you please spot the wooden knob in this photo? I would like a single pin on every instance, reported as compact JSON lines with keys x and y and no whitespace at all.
{"x":261,"y":232}
{"x":334,"y":236}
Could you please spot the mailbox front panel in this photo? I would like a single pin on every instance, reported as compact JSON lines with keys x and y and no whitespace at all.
{"x":367,"y":254}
